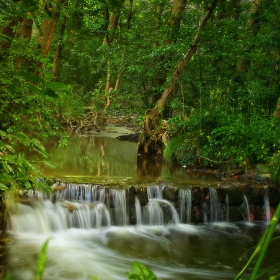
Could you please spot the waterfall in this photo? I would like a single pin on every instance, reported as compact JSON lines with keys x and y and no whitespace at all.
{"x":100,"y":216}
{"x":154,"y":191}
{"x":119,"y":200}
{"x":266,"y":206}
{"x":215,"y":206}
{"x":185,"y":204}
{"x":247,"y":209}
{"x":205,"y":218}
{"x":160,"y":212}
{"x":78,"y":192}
{"x":89,"y":206}
{"x":138,"y":211}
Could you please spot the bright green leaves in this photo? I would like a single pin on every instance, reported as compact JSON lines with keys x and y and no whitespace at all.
{"x":140,"y":272}
{"x":3,"y":187}
{"x":15,"y":170}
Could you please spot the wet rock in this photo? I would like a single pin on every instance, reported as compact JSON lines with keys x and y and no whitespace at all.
{"x":247,"y":189}
{"x":222,"y":194}
{"x":50,"y":182}
{"x":273,"y":195}
{"x":256,"y":197}
{"x":263,"y":178}
{"x":235,"y":196}
{"x":197,"y":211}
{"x":170,"y":193}
{"x":129,"y":137}
{"x":130,"y":194}
{"x":197,"y":195}
{"x":59,"y":187}
{"x":142,"y":196}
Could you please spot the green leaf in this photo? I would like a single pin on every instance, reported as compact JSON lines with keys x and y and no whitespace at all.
{"x":28,"y":185}
{"x":140,"y":272}
{"x":55,"y":85}
{"x":8,"y":276}
{"x":34,"y":88}
{"x":3,"y":187}
{"x":30,"y":77}
{"x":42,"y":261}
{"x":12,"y":88}
{"x":49,"y":164}
{"x":49,"y":92}
{"x":10,"y":148}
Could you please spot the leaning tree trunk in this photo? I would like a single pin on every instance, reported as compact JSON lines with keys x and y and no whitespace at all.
{"x":151,"y":139}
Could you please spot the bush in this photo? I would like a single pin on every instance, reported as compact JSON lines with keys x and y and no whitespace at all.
{"x":230,"y":140}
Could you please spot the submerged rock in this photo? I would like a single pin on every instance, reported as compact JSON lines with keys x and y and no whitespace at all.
{"x":129,"y":137}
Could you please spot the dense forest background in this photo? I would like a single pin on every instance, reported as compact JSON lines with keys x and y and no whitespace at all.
{"x":203,"y":77}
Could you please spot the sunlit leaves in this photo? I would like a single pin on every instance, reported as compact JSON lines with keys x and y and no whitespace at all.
{"x":140,"y":272}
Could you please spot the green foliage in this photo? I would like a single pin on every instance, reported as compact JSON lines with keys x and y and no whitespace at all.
{"x":274,"y":165}
{"x":227,"y":139}
{"x":16,"y":172}
{"x":140,"y":272}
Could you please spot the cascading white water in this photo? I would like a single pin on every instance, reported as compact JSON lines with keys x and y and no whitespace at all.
{"x":101,"y":216}
{"x":246,"y":209}
{"x":153,"y":214}
{"x":154,"y":191}
{"x":185,"y":204}
{"x":266,"y":207}
{"x":215,"y":205}
{"x":119,"y":200}
{"x":160,"y":212}
{"x":87,"y":239}
{"x":79,"y":192}
{"x":205,"y":218}
{"x":138,"y":212}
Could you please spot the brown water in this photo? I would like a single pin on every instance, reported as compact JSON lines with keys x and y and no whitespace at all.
{"x":80,"y":246}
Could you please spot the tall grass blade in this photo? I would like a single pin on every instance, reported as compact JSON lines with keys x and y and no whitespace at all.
{"x":261,"y":247}
{"x":42,"y":261}
{"x":270,"y":231}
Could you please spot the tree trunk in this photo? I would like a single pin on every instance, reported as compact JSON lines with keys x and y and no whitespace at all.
{"x":24,"y":32}
{"x":174,"y":23}
{"x":151,"y":139}
{"x":113,"y":24}
{"x":253,"y":27}
{"x":175,"y":19}
{"x":48,"y":28}
{"x":58,"y":53}
{"x":8,"y":32}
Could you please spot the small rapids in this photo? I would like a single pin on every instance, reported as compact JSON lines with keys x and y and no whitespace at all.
{"x":92,"y":233}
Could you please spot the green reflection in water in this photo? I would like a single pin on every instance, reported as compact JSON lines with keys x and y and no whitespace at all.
{"x":88,"y":158}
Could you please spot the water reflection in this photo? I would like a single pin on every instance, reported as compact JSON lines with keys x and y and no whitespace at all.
{"x":92,"y":157}
{"x":103,"y":158}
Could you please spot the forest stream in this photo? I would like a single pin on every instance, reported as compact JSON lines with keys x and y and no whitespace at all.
{"x":111,"y":208}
